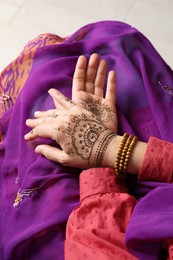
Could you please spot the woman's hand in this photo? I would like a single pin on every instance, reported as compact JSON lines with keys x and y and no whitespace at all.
{"x":83,"y":137}
{"x":88,"y":90}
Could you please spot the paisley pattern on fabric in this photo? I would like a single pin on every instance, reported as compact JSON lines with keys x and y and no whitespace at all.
{"x":14,"y":76}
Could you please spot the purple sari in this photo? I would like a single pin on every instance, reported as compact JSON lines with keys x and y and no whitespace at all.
{"x":33,"y":226}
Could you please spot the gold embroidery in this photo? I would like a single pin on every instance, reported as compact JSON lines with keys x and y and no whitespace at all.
{"x":21,"y":194}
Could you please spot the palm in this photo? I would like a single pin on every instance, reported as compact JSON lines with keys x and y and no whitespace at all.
{"x":103,"y":109}
{"x":87,"y":91}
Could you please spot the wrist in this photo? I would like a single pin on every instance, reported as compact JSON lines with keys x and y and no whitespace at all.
{"x":109,"y":159}
{"x":135,"y":160}
{"x":101,"y":148}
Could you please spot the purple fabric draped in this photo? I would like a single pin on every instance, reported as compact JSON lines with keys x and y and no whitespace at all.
{"x":36,"y":228}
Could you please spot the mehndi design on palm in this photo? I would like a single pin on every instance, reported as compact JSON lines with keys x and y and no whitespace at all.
{"x":88,"y":89}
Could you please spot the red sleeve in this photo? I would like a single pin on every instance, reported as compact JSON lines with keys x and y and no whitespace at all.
{"x":96,"y":228}
{"x":158,"y":161}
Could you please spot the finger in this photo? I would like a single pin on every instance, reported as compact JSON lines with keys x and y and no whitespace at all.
{"x":61,"y":100}
{"x":39,"y":121}
{"x":91,"y":73}
{"x":47,"y":113}
{"x":100,"y":79}
{"x":57,"y":104}
{"x":79,"y":75}
{"x":111,"y":87}
{"x":44,"y":130}
{"x":53,"y":154}
{"x":58,"y":97}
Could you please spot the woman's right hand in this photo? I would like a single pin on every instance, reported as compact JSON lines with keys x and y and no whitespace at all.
{"x":84,"y":140}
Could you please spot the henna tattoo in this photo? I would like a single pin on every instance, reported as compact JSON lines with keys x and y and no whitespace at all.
{"x":84,"y":134}
{"x":73,"y":118}
{"x":56,"y":129}
{"x":54,"y":116}
{"x":101,"y":111}
{"x":69,"y":101}
{"x":67,"y":131}
{"x":102,"y":147}
{"x":71,"y":152}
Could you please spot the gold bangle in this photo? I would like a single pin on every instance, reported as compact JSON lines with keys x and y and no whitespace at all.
{"x":124,"y":152}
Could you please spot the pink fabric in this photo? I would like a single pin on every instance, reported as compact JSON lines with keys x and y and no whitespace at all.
{"x":158,"y":161}
{"x":157,"y":166}
{"x":97,"y":227}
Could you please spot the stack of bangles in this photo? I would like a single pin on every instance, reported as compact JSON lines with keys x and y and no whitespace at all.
{"x":124,"y":152}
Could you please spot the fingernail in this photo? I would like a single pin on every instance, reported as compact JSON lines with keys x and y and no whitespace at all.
{"x":53,"y":92}
{"x":37,"y":149}
{"x":36,"y":113}
{"x":28,"y":121}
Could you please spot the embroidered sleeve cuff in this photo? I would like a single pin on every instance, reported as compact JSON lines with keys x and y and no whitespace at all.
{"x":157,"y":164}
{"x":99,"y":181}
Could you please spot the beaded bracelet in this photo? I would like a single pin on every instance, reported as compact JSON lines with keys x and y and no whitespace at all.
{"x":124,"y":152}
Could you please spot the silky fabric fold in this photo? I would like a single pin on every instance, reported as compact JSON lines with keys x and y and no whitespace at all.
{"x":48,"y":192}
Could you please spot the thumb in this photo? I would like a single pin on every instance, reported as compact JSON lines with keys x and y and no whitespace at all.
{"x":54,"y":94}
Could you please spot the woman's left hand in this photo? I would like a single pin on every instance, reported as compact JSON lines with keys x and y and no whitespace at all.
{"x":88,"y":90}
{"x":88,"y":85}
{"x":83,"y":138}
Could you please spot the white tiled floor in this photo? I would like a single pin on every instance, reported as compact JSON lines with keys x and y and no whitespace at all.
{"x":22,"y":20}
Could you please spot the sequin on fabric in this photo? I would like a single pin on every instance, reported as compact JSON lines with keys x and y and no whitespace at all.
{"x":166,"y":88}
